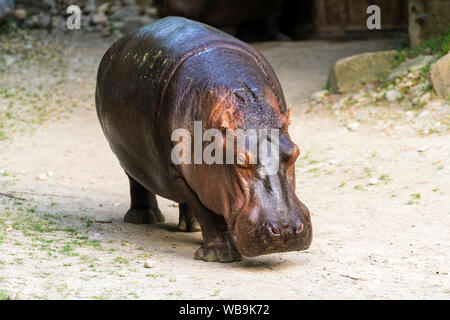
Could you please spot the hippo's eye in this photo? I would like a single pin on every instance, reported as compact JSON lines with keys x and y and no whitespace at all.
{"x":289,"y":152}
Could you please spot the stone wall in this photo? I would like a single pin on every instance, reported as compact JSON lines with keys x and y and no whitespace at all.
{"x":427,"y":19}
{"x":106,"y":16}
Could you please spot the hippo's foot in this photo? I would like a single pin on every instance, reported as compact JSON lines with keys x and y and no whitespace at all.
{"x":220,"y":249}
{"x":141,"y":216}
{"x":144,"y":207}
{"x":187,"y":226}
{"x":187,"y":222}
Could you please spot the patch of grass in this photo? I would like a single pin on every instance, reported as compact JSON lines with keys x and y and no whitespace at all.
{"x":385,"y":177}
{"x":216,"y":293}
{"x":67,"y":249}
{"x":4,"y":295}
{"x":438,"y":46}
{"x":121,"y":260}
{"x":134,"y":295}
{"x":327,"y":85}
{"x":415,"y":195}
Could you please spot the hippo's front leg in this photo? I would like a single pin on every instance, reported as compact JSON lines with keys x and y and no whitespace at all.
{"x":218,"y":244}
{"x":144,"y":207}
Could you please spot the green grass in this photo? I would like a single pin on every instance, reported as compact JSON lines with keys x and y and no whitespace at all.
{"x":122,"y":260}
{"x":438,"y":46}
{"x":4,"y":295}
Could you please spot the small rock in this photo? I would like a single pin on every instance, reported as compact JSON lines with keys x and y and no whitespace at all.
{"x":20,"y":14}
{"x":423,"y":114}
{"x":99,"y":19}
{"x":373,"y":181}
{"x":334,"y":161}
{"x":151,"y":11}
{"x":103,"y":219}
{"x":393,"y":95}
{"x":423,"y":148}
{"x":409,"y":114}
{"x":354,"y":126}
{"x":410,"y":66}
{"x":148,"y":264}
{"x":50,"y":174}
{"x":440,"y":76}
{"x":349,"y":74}
{"x":42,"y":177}
{"x":104,"y":7}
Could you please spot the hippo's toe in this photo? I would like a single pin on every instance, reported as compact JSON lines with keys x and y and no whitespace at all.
{"x":219,"y":250}
{"x":143,"y":216}
{"x":188,"y":226}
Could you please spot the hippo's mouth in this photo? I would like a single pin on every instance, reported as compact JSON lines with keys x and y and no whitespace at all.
{"x":259,"y":240}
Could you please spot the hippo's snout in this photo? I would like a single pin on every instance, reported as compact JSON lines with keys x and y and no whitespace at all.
{"x":273,"y":232}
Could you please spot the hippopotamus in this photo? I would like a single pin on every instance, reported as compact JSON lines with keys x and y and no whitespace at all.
{"x":174,"y":73}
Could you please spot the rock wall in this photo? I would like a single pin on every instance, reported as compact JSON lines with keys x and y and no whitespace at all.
{"x":427,"y":19}
{"x":106,"y":16}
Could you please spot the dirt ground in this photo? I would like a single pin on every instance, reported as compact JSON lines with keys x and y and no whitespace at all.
{"x":378,"y":194}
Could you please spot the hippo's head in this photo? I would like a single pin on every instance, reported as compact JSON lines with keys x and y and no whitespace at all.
{"x":272,"y":218}
{"x":256,"y":193}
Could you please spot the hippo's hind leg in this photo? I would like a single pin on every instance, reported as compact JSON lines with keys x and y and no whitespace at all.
{"x":144,"y":207}
{"x":187,"y":222}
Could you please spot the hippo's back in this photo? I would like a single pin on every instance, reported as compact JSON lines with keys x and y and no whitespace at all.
{"x":138,"y":66}
{"x":132,"y":79}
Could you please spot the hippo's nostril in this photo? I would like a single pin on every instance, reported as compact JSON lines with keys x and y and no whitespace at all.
{"x":300,"y":228}
{"x":273,"y":230}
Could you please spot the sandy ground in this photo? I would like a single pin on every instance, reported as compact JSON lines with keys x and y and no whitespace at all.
{"x":383,"y":239}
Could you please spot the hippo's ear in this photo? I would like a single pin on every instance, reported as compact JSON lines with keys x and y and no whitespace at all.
{"x":287,"y":116}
